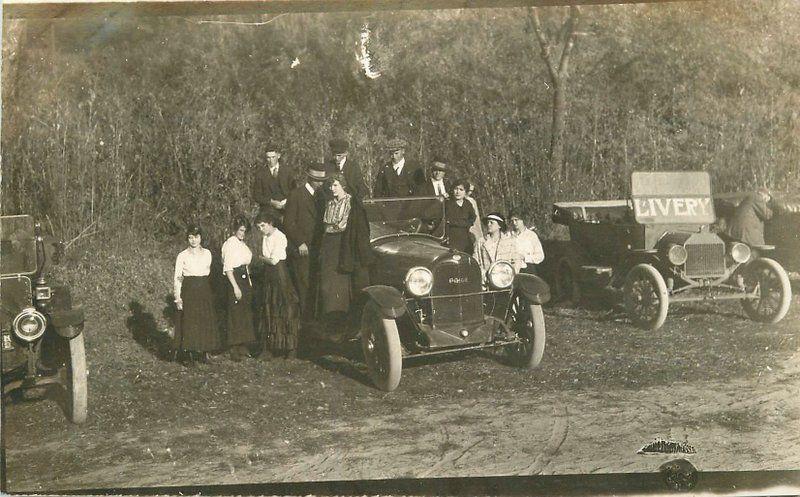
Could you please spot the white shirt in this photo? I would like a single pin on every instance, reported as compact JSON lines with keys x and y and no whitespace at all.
{"x":191,"y":263}
{"x":438,"y":188}
{"x":310,"y":189}
{"x":529,"y":247}
{"x":235,"y":253}
{"x":341,"y":164}
{"x":274,"y":246}
{"x":398,"y":168}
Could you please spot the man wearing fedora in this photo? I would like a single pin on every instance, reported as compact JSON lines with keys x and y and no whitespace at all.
{"x":342,"y":163}
{"x":398,"y":178}
{"x":272,"y":183}
{"x":436,"y":185}
{"x":301,"y":225}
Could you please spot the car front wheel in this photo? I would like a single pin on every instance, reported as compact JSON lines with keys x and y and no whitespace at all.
{"x":645,"y":297}
{"x":382,"y":350}
{"x":526,"y":321}
{"x":76,"y":381}
{"x":767,"y":279}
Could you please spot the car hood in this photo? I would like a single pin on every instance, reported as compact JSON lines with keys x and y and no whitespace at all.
{"x":404,"y":252}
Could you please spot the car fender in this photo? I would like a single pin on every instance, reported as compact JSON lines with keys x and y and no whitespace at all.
{"x":533,"y":288}
{"x":389,"y":300}
{"x":68,"y":323}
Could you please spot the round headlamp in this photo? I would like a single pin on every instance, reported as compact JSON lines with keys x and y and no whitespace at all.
{"x":419,"y":281}
{"x":29,"y":325}
{"x":740,"y":252}
{"x":676,"y":254}
{"x":500,"y":275}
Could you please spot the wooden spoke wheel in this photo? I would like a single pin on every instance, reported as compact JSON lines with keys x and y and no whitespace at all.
{"x":770,"y":283}
{"x":380,"y":342}
{"x":566,"y":282}
{"x":645,"y":297}
{"x":526,"y":321}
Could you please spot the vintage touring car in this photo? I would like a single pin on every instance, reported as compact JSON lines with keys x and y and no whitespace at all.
{"x":429,"y":299}
{"x":41,"y":331}
{"x":657,"y":248}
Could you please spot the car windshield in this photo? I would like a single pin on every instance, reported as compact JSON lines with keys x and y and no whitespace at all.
{"x":17,"y":245}
{"x":393,"y":216}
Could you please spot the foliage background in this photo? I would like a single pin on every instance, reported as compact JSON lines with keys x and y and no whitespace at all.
{"x":126,"y":125}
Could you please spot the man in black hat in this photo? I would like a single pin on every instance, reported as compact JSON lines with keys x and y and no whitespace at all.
{"x":301,"y":225}
{"x":342,"y":163}
{"x":436,"y":185}
{"x":272,"y":183}
{"x":398,"y":178}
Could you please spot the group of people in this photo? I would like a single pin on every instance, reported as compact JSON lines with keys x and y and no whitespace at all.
{"x":310,"y":256}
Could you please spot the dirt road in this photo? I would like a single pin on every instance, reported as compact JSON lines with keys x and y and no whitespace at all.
{"x":711,"y":378}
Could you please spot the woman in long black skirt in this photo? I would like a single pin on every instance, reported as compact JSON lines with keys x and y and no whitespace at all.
{"x":236,"y":258}
{"x":196,"y":326}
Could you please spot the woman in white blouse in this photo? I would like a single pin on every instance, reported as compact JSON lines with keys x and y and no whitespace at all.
{"x":196,"y":325}
{"x":496,"y":245}
{"x":280,"y":319}
{"x":528,"y":244}
{"x":236,"y":258}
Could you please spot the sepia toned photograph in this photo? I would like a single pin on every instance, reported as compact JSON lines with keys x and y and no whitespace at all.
{"x":277,"y":244}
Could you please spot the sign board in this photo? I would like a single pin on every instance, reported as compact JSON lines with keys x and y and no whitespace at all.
{"x":672,"y":198}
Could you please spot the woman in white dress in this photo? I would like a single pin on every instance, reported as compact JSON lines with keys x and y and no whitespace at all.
{"x":236,"y":258}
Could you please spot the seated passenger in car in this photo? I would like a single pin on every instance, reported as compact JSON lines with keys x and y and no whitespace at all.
{"x":528,"y":244}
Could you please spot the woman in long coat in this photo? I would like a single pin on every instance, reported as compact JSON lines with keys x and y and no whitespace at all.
{"x":236,"y":258}
{"x":459,"y":215}
{"x":345,"y":253}
{"x":196,"y":326}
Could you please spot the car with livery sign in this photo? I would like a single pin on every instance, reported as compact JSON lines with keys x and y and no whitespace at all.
{"x":657,"y":249}
{"x":426,"y":298}
{"x":42,"y":333}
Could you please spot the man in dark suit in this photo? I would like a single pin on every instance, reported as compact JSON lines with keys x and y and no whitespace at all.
{"x":342,"y":163}
{"x":436,"y":185}
{"x":747,"y":223}
{"x":398,"y":178}
{"x":301,"y":226}
{"x":272,"y":183}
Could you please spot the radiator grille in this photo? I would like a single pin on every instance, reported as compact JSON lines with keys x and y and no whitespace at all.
{"x":451,"y":281}
{"x":705,"y":259}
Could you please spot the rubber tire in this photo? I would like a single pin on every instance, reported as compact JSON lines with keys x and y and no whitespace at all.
{"x":77,"y":382}
{"x":785,"y":288}
{"x":650,"y":273}
{"x":572,"y":294}
{"x":380,"y":342}
{"x":529,"y":356}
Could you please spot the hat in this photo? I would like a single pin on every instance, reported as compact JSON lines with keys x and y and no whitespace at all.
{"x":316,"y":172}
{"x":339,"y":146}
{"x":396,"y":144}
{"x":439,"y":164}
{"x":495,"y":216}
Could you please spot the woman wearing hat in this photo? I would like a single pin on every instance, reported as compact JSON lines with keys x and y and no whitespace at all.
{"x":196,"y":326}
{"x":459,"y":216}
{"x":496,"y":245}
{"x":236,"y":258}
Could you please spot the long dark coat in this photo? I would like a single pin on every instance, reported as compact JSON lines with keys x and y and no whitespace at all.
{"x":266,"y":187}
{"x":389,"y":184}
{"x":747,"y":223}
{"x":302,"y":226}
{"x":352,"y":175}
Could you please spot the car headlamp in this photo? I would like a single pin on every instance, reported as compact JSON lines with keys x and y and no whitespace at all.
{"x":419,"y":281}
{"x":500,"y":275}
{"x":29,"y":325}
{"x":740,"y":252}
{"x":676,"y":254}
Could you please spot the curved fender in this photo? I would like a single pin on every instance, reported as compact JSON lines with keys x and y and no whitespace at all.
{"x":389,"y":300}
{"x":532,"y":287}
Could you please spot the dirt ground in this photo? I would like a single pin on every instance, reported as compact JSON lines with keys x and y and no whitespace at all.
{"x":709,"y":377}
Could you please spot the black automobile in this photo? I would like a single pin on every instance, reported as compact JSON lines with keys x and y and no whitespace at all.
{"x":427,"y":298}
{"x":42,"y":339}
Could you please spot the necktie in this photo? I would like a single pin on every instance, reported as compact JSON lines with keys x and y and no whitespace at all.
{"x":274,"y":171}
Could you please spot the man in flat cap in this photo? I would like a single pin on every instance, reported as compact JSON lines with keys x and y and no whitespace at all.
{"x":436,"y":185}
{"x":342,"y":163}
{"x":272,"y":183}
{"x":398,"y":178}
{"x":302,"y":224}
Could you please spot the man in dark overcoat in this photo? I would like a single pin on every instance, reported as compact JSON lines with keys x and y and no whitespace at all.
{"x":747,"y":222}
{"x":272,"y":183}
{"x":399,"y":177}
{"x":436,"y":185}
{"x":301,"y":225}
{"x":342,"y":163}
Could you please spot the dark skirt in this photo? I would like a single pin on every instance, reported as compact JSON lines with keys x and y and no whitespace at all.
{"x":280,"y":321}
{"x":196,"y":328}
{"x":335,"y":290}
{"x":240,"y":313}
{"x":460,"y":239}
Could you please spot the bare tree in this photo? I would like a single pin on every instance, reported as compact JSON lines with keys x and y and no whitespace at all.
{"x":557,"y":70}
